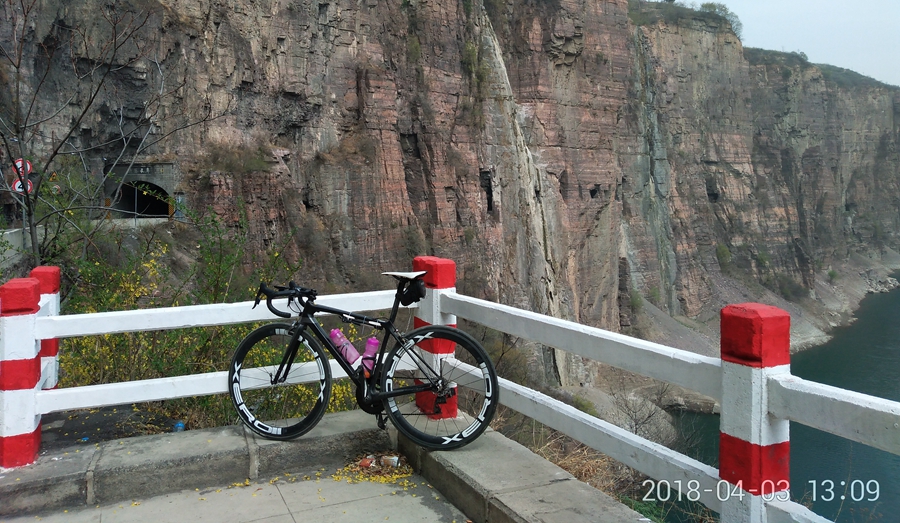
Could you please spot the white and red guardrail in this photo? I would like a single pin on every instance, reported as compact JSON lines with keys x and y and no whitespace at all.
{"x":754,"y":449}
{"x":752,"y":381}
{"x":27,"y":363}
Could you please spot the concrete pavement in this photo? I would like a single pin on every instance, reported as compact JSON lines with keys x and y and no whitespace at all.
{"x":287,"y":499}
{"x":242,"y":478}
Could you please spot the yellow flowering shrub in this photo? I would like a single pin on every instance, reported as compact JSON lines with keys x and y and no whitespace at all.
{"x":121,"y":278}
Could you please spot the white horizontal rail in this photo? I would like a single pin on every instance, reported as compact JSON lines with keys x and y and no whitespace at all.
{"x":193,"y":316}
{"x":652,"y":459}
{"x":260,"y":377}
{"x":858,"y":417}
{"x":645,"y":456}
{"x":93,"y":396}
{"x":685,"y":369}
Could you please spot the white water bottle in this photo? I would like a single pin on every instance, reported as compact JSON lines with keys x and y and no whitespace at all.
{"x":368,"y":357}
{"x":345,"y":347}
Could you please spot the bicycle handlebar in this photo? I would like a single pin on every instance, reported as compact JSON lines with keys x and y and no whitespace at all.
{"x":291,"y":292}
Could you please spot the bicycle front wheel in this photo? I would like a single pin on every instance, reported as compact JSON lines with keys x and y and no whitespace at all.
{"x":442,"y":387}
{"x":279,"y":406}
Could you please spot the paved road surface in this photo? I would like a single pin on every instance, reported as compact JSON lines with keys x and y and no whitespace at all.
{"x":287,"y":499}
{"x":201,"y":475}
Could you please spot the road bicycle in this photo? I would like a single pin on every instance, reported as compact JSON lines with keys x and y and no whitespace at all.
{"x":437,"y":385}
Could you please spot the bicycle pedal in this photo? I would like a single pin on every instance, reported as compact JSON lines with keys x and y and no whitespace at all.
{"x":382,"y":421}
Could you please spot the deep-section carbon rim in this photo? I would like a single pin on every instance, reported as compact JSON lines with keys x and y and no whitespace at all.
{"x":287,"y":409}
{"x":463,"y":388}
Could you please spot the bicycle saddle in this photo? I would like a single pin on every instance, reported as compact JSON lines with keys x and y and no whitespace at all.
{"x":405,"y":275}
{"x":411,"y":287}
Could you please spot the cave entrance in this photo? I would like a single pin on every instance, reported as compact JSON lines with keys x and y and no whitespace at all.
{"x":140,"y":199}
{"x":488,"y":187}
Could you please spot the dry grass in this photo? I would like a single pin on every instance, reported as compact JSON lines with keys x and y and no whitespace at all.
{"x":590,"y":466}
{"x":586,"y":464}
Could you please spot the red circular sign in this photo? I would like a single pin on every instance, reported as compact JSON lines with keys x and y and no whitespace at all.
{"x":23,"y":166}
{"x":18,"y":186}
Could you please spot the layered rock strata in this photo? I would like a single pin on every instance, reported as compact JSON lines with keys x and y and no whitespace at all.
{"x":570,"y":161}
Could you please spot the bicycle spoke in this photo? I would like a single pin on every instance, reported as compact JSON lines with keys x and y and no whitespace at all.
{"x":462,"y":397}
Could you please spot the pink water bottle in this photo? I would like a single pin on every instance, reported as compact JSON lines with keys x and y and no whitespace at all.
{"x":345,"y":347}
{"x":368,"y":357}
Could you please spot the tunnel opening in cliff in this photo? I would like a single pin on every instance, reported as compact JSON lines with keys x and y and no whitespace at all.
{"x":140,"y":199}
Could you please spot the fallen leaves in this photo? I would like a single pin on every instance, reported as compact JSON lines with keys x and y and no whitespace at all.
{"x":387,"y":468}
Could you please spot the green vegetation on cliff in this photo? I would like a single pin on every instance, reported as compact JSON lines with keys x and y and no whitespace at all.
{"x":843,"y":78}
{"x":646,"y":13}
{"x":849,"y":79}
{"x":758,"y":56}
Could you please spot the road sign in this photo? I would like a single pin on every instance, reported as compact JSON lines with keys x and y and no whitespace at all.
{"x":23,"y":166}
{"x":18,"y":186}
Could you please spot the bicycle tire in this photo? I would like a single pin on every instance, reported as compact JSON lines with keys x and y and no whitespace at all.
{"x":438,"y":419}
{"x":289,"y":409}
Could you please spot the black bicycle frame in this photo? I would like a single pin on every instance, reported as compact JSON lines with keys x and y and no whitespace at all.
{"x":307,"y":319}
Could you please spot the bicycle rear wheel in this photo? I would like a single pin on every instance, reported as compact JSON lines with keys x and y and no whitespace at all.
{"x":292,"y":406}
{"x":461,"y":387}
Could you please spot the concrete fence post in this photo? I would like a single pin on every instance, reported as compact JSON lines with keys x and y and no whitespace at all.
{"x":49,"y":278}
{"x":754,"y":448}
{"x":441,"y":278}
{"x":20,"y":372}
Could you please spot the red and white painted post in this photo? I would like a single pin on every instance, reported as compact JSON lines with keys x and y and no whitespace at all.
{"x":20,"y":372}
{"x":49,"y":276}
{"x":754,"y":448}
{"x":440,"y":279}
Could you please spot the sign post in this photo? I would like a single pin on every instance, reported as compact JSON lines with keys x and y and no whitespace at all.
{"x":23,"y":169}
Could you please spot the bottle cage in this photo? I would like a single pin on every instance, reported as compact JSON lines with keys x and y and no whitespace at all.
{"x":413,"y":292}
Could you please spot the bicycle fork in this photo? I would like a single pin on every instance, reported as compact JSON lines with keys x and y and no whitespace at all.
{"x":288,"y":359}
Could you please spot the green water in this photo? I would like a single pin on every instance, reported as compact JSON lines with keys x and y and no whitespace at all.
{"x":863,"y":357}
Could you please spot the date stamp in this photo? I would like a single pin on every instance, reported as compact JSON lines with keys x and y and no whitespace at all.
{"x":822,"y":490}
{"x":678,"y":490}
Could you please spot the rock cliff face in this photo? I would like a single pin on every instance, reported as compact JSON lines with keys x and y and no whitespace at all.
{"x":569,"y":160}
{"x":765,"y":155}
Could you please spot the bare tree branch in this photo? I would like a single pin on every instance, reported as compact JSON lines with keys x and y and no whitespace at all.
{"x":38,"y":125}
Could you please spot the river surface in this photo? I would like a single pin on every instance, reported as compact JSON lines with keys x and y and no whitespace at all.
{"x":863,"y":357}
